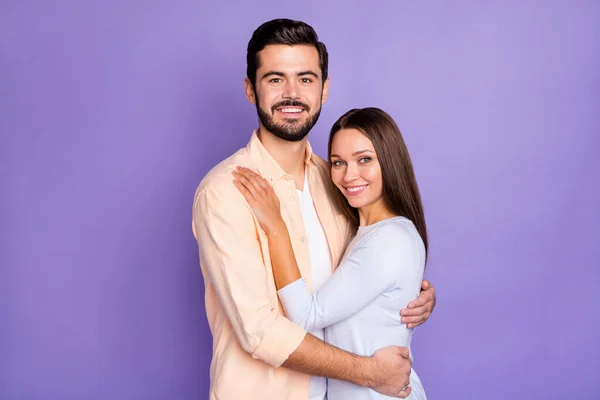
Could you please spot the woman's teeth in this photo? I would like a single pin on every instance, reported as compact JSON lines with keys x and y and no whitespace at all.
{"x":355,"y":189}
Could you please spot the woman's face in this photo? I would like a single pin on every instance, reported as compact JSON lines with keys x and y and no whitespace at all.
{"x":355,"y":169}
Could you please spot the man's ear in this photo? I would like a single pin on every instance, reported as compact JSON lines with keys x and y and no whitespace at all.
{"x":325,"y":91}
{"x":249,"y":91}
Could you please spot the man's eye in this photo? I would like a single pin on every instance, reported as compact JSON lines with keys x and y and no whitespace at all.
{"x":275,"y":80}
{"x":364,"y":160}
{"x":306,"y":80}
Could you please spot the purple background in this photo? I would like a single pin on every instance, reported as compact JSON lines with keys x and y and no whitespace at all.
{"x":112,"y":111}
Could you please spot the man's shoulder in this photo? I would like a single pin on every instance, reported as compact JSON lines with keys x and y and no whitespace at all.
{"x":219,"y":178}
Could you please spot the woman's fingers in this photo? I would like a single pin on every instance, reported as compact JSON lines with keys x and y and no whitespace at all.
{"x":255,"y":182}
{"x":260,"y":188}
{"x":244,"y":190}
{"x":251,"y":185}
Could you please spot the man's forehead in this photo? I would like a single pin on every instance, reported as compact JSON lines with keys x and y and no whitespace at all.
{"x":290,"y":57}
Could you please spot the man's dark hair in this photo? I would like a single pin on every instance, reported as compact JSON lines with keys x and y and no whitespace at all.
{"x":283,"y":31}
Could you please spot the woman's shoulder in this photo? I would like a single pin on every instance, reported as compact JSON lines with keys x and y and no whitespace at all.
{"x":391,"y":244}
{"x":396,"y":231}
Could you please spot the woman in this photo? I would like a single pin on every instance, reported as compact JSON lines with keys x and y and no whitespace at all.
{"x":382,"y":268}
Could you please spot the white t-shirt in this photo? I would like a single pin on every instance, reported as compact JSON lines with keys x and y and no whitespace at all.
{"x":320,"y":266}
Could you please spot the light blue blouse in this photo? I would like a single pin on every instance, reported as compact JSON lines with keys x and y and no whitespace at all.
{"x":380,"y":273}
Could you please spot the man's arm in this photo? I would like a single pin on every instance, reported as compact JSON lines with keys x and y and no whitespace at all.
{"x":230,"y":252}
{"x":386,"y":372}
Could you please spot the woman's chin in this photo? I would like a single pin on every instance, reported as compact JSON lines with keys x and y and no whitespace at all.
{"x":354,"y":203}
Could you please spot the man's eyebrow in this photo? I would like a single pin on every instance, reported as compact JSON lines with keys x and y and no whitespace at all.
{"x":309,"y":72}
{"x":276,"y":73}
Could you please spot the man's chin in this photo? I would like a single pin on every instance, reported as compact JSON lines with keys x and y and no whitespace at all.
{"x":291,"y":122}
{"x":297,"y":128}
{"x":290,"y":137}
{"x":292,"y":129}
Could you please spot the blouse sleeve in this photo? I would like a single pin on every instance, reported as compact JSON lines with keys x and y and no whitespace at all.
{"x":371,"y":268}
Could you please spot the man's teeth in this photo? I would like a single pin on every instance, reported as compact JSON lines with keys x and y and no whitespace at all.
{"x":356,"y":188}
{"x":291,"y":110}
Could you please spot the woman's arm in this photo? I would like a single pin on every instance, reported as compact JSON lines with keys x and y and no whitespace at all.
{"x":264,"y":202}
{"x":367,"y":272}
{"x":370,"y":269}
{"x":283,"y":260}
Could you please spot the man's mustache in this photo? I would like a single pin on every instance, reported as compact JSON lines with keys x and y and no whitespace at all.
{"x":290,"y":103}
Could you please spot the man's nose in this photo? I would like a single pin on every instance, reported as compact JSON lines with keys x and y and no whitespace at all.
{"x":291,"y":90}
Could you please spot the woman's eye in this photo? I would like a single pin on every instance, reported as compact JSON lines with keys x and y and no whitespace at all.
{"x":364,"y":160}
{"x":337,"y":163}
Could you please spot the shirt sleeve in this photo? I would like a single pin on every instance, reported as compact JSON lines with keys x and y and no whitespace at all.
{"x":230,"y":251}
{"x":373,"y":266}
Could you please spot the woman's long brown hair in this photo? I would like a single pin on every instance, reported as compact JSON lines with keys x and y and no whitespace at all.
{"x":400,"y":189}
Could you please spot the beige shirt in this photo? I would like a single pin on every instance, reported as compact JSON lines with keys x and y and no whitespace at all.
{"x":251,"y":335}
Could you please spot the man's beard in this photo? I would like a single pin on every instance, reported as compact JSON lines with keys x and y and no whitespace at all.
{"x":292,"y":130}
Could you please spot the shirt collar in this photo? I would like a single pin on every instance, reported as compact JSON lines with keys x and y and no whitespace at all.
{"x":266,"y":164}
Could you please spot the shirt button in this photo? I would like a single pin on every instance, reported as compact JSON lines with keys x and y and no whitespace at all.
{"x":292,"y":198}
{"x":302,"y":239}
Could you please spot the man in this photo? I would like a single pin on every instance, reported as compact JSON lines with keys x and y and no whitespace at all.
{"x":252,"y":339}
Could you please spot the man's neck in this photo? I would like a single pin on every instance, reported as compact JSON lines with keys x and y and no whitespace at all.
{"x":290,"y":156}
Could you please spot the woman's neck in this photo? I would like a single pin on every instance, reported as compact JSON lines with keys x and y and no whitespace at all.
{"x":374,"y":212}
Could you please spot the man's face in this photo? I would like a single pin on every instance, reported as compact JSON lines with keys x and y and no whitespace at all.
{"x":289,"y":90}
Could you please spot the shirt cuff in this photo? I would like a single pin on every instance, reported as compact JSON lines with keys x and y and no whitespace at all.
{"x":295,"y":299}
{"x":281,"y":340}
